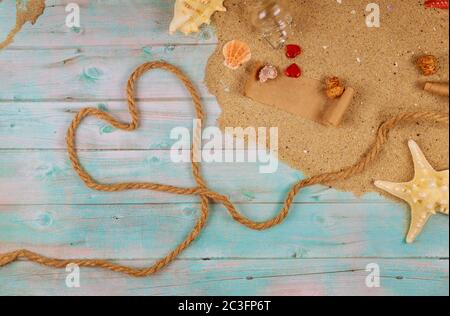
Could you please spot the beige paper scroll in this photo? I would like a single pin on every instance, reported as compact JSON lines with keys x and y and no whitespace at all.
{"x":303,"y":97}
{"x":437,"y":88}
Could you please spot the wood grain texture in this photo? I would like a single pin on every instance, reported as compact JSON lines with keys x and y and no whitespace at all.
{"x":242,"y":277}
{"x":150,"y":231}
{"x":103,"y":23}
{"x":47,"y":177}
{"x":50,"y":72}
{"x":42,"y":121}
{"x":97,"y":73}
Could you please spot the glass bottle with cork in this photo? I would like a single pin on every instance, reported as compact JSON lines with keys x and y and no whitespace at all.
{"x":272,"y":20}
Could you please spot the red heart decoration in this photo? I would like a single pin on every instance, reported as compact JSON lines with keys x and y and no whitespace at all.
{"x":293,"y":71}
{"x":293,"y":51}
{"x":437,"y":4}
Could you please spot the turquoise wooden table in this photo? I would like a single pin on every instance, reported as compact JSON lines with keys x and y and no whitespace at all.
{"x":51,"y":71}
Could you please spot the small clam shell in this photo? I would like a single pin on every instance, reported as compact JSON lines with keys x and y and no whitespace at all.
{"x":268,"y":72}
{"x":236,"y":54}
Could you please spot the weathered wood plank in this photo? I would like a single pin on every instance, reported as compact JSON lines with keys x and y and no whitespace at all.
{"x":240,"y":278}
{"x":43,"y":125}
{"x":97,"y":73}
{"x":103,"y":23}
{"x":150,"y":231}
{"x":50,"y":62}
{"x":46,"y":177}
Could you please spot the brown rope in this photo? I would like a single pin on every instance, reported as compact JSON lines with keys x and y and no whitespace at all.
{"x":206,"y":196}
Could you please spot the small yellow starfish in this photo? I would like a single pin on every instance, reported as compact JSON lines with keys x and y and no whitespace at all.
{"x":427,"y":194}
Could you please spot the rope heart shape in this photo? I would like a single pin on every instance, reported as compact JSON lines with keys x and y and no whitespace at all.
{"x":201,"y":190}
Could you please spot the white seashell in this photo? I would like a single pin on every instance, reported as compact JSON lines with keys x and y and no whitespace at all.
{"x":191,"y":14}
{"x":236,"y":54}
{"x":268,"y":72}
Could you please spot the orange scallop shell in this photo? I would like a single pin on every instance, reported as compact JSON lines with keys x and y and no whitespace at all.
{"x":236,"y":54}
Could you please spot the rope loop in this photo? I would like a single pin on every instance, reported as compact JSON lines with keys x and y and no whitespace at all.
{"x":205,"y":195}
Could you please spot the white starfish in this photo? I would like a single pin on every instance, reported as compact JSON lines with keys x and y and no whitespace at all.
{"x":427,"y":194}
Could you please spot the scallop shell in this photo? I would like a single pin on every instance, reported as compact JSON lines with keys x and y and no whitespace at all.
{"x":236,"y":54}
{"x":191,"y":14}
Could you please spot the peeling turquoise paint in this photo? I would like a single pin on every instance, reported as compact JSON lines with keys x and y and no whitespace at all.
{"x":152,"y":160}
{"x":169,"y":48}
{"x":91,"y":75}
{"x":103,"y":107}
{"x":107,"y":129}
{"x":45,"y":219}
{"x":148,"y":51}
{"x":48,"y":171}
{"x":249,"y":196}
{"x":162,"y":145}
{"x":76,"y":29}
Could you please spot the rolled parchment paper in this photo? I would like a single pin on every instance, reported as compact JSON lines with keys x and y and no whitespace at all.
{"x":302,"y":97}
{"x":437,"y":88}
{"x":335,"y":113}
